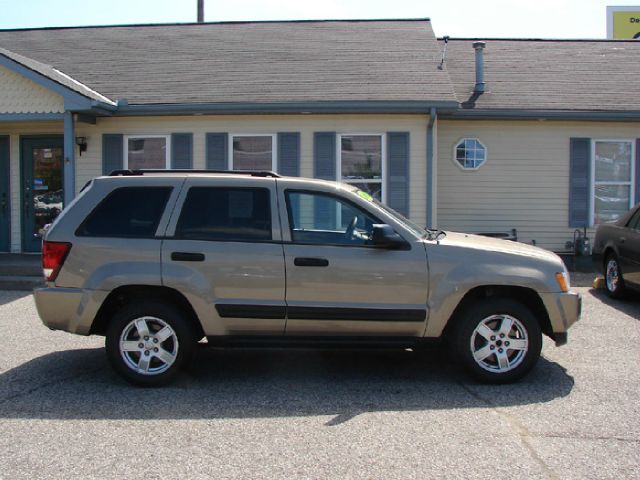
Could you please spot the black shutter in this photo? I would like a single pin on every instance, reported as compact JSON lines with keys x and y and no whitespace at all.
{"x":182,"y":150}
{"x":217,"y":145}
{"x":324,"y":167}
{"x":398,"y":171}
{"x":289,"y":154}
{"x":324,"y":155}
{"x":579,"y":166}
{"x":112,"y":152}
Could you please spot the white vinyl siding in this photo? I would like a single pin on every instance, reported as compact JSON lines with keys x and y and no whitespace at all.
{"x":21,"y":95}
{"x":525,"y":185}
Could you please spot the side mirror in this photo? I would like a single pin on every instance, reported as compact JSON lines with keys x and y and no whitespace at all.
{"x":385,"y":237}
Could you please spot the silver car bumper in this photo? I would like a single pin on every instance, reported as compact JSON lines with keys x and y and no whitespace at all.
{"x":70,"y":309}
{"x":564,"y":310}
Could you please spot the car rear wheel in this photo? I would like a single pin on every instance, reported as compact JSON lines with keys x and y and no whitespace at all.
{"x":497,"y":340}
{"x":148,"y":343}
{"x":613,"y":279}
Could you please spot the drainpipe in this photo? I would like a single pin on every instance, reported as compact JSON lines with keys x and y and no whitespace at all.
{"x":69,"y":166}
{"x":479,"y":48}
{"x":431,"y":181}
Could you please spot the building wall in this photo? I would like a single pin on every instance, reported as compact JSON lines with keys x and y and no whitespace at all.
{"x":89,"y":165}
{"x":525,"y":182}
{"x":20,"y":95}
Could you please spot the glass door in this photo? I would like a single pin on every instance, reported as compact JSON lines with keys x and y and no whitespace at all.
{"x":42,"y":184}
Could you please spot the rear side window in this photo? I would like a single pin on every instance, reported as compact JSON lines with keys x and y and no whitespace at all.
{"x":127,"y":212}
{"x":226,"y":214}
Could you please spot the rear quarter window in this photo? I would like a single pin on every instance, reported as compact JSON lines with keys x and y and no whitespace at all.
{"x":127,"y":212}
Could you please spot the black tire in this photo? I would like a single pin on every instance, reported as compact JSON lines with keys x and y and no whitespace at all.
{"x":129,"y":353}
{"x":510,"y":364}
{"x":613,"y":279}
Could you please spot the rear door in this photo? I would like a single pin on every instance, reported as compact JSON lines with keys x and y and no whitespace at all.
{"x":338,"y":283}
{"x":223,"y":250}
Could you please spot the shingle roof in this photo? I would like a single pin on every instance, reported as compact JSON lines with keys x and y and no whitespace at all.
{"x":385,"y":60}
{"x":573,"y":75}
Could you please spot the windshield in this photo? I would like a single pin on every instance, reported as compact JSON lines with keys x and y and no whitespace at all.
{"x":414,"y":227}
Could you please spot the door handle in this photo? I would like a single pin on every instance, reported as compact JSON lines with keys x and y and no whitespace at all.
{"x":622,"y":239}
{"x":310,"y":262}
{"x":187,"y":257}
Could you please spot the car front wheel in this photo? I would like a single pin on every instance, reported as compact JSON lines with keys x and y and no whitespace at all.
{"x":148,"y":343}
{"x":614,"y":281}
{"x":497,"y":340}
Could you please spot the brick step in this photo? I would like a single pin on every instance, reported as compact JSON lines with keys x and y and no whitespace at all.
{"x":20,"y":282}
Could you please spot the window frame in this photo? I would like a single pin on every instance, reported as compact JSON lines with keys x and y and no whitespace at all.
{"x":274,"y":148}
{"x":154,"y":235}
{"x":177,"y":236}
{"x":592,"y":175}
{"x":383,"y":161}
{"x":454,"y":157}
{"x":348,"y":201}
{"x":143,"y":136}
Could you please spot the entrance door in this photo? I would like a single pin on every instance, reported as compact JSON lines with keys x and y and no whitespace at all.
{"x":5,"y":211}
{"x":42,"y":187}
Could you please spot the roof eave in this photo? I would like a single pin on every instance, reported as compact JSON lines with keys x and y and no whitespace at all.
{"x":73,"y":101}
{"x":515,"y":114}
{"x":311,"y":107}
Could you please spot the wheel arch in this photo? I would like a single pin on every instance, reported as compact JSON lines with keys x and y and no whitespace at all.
{"x":526,"y":296}
{"x":127,"y":294}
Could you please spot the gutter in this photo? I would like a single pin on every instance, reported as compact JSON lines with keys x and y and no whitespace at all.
{"x":366,"y":106}
{"x":582,"y":115}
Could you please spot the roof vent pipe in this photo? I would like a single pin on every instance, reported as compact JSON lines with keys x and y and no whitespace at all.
{"x":200,"y":11}
{"x":479,"y":48}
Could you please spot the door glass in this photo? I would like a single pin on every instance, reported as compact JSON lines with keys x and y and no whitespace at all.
{"x":323,"y":219}
{"x":46,"y":191}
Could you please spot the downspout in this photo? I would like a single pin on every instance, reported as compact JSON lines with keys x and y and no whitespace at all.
{"x":433,"y":115}
{"x":69,"y":166}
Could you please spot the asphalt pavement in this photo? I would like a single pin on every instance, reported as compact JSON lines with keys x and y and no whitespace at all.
{"x":255,"y":414}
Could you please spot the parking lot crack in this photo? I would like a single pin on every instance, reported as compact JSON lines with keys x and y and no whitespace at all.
{"x":40,"y":386}
{"x":523,"y":433}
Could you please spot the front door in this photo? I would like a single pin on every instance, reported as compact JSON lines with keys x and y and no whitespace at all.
{"x":5,"y":212}
{"x":340,"y":284}
{"x":42,"y":187}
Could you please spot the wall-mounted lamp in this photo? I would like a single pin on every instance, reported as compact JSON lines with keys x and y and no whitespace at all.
{"x":82,"y":144}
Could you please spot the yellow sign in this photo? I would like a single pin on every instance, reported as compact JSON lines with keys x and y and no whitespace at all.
{"x":624,"y":23}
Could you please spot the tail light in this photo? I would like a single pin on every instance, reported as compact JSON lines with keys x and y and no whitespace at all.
{"x":53,"y":256}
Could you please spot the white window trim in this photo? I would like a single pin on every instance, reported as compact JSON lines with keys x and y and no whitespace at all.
{"x":592,"y":175}
{"x":274,"y":148}
{"x":167,"y":152}
{"x":454,"y":157}
{"x":383,"y":160}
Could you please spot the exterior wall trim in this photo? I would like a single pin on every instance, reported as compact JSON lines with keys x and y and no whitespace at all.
{"x":596,"y":116}
{"x":72,"y":100}
{"x":285,"y":107}
{"x":30,"y":117}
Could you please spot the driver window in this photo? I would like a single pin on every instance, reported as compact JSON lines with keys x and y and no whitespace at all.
{"x":318,"y":218}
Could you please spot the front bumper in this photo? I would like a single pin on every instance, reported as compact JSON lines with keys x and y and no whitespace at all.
{"x":564,"y":309}
{"x":70,"y":309}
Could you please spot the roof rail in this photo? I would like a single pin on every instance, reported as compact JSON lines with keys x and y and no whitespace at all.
{"x":253,"y":173}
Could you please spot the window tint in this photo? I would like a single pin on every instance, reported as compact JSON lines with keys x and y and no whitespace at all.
{"x":635,"y":221}
{"x":327,"y":220}
{"x":226,"y":214}
{"x":127,"y":212}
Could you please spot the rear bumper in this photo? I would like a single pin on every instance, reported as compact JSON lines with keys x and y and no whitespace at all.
{"x":564,"y":310}
{"x":70,"y":309}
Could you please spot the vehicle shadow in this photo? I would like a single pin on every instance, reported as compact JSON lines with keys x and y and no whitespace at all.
{"x":8,"y":296}
{"x":78,"y":384}
{"x":629,"y":305}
